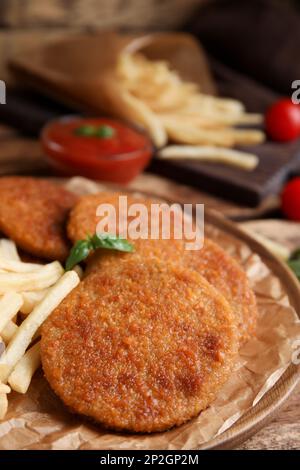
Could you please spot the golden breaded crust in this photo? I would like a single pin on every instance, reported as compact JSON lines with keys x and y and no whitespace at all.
{"x":140,"y":346}
{"x":219,"y":268}
{"x":226,"y":275}
{"x":83,"y":219}
{"x":33,"y":213}
{"x":212,"y":262}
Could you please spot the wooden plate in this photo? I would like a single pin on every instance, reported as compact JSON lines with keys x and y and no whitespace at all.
{"x":267,"y":408}
{"x":271,"y":403}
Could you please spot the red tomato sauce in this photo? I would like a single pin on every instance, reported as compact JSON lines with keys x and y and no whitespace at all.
{"x":99,"y":148}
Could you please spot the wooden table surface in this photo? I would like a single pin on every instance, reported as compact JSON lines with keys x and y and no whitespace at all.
{"x":18,"y":155}
{"x":283,"y":433}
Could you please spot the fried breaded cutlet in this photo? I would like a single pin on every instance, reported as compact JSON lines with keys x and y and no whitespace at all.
{"x":83,"y":218}
{"x":33,"y":213}
{"x":212,"y":262}
{"x":140,"y":346}
{"x":224,"y":273}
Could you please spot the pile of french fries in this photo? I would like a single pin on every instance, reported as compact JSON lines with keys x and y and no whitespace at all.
{"x":29,"y":292}
{"x":173,"y":110}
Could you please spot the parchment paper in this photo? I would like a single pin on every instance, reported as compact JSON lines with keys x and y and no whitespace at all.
{"x":38,"y":420}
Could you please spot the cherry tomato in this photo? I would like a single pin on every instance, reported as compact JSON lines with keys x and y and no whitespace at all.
{"x":290,"y":199}
{"x":282,"y":120}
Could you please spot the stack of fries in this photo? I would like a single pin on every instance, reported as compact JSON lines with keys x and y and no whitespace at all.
{"x":29,"y":292}
{"x":173,"y":110}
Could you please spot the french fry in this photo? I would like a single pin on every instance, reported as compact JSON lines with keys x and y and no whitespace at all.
{"x":185,"y":133}
{"x":244,"y":160}
{"x":2,"y":346}
{"x":130,"y":66}
{"x":152,"y":90}
{"x":20,"y":378}
{"x":3,"y":405}
{"x":153,"y":82}
{"x":4,"y":388}
{"x":211,"y":119}
{"x":23,"y":337}
{"x":245,"y":137}
{"x":167,"y":98}
{"x":195,"y":107}
{"x":140,"y":113}
{"x":37,"y":280}
{"x":18,"y":266}
{"x":10,"y":304}
{"x":9,"y":331}
{"x":8,"y":250}
{"x":222,"y":104}
{"x":31,"y":299}
{"x":135,"y":69}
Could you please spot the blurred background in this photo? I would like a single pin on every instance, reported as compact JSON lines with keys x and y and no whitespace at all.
{"x":26,"y":23}
{"x":251,"y":47}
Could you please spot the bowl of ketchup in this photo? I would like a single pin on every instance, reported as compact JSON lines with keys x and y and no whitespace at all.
{"x":98,"y":148}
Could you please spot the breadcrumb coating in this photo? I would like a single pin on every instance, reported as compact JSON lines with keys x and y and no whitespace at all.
{"x":140,"y":346}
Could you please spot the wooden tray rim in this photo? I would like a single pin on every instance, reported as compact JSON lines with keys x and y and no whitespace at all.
{"x":265,"y":410}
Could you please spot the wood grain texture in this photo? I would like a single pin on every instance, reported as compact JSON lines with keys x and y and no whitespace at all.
{"x":283,"y":433}
{"x":20,"y":155}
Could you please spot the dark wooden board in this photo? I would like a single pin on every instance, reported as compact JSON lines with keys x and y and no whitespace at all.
{"x":277,"y":162}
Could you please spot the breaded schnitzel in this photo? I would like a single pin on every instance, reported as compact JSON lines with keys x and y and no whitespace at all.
{"x":226,"y":275}
{"x":83,"y":219}
{"x":140,"y":346}
{"x":33,"y":213}
{"x":212,"y":262}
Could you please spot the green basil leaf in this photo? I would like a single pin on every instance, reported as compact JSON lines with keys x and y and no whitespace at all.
{"x":82,"y":248}
{"x":86,"y":131}
{"x":295,"y":267}
{"x":78,"y":253}
{"x":110,"y":242}
{"x":105,"y":132}
{"x":295,"y":255}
